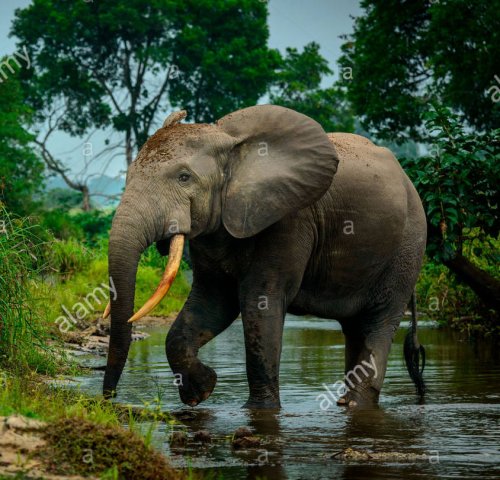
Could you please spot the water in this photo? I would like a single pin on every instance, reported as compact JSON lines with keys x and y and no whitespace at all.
{"x":457,"y":427}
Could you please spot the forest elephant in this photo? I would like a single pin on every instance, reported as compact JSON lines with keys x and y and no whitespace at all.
{"x":280,"y":217}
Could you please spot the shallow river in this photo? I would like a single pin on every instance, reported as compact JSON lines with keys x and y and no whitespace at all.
{"x":458,"y":427}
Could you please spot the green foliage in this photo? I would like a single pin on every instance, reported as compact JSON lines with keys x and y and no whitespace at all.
{"x":40,"y":276}
{"x":458,"y":182}
{"x":66,"y":257}
{"x":94,"y":422}
{"x":62,"y":198}
{"x":23,"y":334}
{"x":73,"y":288}
{"x":441,"y":297}
{"x":20,"y":169}
{"x":406,"y":57}
{"x":27,"y":396}
{"x":404,"y":53}
{"x":74,"y":263}
{"x":90,"y":227}
{"x":220,"y":51}
{"x":60,"y":224}
{"x":209,"y":56}
{"x":95,"y":224}
{"x":297,"y":85}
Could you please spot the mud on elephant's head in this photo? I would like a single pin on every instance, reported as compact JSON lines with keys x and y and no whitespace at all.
{"x":245,"y":172}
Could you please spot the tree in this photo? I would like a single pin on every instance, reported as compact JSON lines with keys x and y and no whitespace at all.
{"x":116,"y":63}
{"x":221,"y":56}
{"x":458,"y":183}
{"x":20,"y":169}
{"x":402,"y":54}
{"x":297,"y":85}
{"x":407,"y":56}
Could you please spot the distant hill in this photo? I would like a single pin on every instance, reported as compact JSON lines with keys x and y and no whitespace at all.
{"x":101,"y":184}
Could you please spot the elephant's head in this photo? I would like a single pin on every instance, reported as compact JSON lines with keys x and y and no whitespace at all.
{"x":246,"y":172}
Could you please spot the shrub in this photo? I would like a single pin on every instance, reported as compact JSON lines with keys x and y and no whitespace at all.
{"x":94,"y":224}
{"x":61,"y":224}
{"x":458,"y":183}
{"x":67,"y":257}
{"x":441,"y":297}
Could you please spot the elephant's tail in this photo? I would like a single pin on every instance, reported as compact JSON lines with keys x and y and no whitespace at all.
{"x":413,"y":350}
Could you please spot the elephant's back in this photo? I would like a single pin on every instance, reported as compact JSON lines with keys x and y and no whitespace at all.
{"x":374,"y":173}
{"x":370,"y":177}
{"x":361,"y":158}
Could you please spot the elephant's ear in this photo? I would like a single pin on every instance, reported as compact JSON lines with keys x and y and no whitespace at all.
{"x":282,"y":162}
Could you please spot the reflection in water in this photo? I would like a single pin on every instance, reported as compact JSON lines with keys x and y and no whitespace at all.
{"x":457,"y":427}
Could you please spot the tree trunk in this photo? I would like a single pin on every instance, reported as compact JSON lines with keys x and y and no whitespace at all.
{"x":486,"y":287}
{"x":86,"y":198}
{"x":128,"y":147}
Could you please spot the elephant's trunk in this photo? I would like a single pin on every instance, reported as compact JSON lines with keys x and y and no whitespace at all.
{"x":132,"y":232}
{"x":123,"y":259}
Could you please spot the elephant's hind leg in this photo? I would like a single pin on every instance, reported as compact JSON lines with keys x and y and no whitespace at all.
{"x":367,"y":347}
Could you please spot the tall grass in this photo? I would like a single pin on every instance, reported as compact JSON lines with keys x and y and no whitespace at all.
{"x":24,"y":340}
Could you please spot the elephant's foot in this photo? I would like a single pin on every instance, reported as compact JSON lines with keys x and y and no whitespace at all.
{"x":265,"y":404}
{"x":263,"y":398}
{"x":365,"y":397}
{"x":197,"y":384}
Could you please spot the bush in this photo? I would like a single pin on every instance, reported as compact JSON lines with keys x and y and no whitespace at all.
{"x":458,"y":183}
{"x":62,"y":198}
{"x":95,"y":224}
{"x":444,"y":299}
{"x":67,"y":257}
{"x":61,"y":225}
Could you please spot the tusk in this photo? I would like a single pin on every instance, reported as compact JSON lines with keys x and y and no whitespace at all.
{"x":174,"y":262}
{"x":107,"y":310}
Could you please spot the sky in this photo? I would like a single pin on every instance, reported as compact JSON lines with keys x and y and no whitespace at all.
{"x":292,"y":23}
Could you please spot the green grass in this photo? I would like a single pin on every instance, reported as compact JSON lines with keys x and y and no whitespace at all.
{"x":82,"y":283}
{"x":24,"y":337}
{"x":41,"y":277}
{"x":30,"y":396}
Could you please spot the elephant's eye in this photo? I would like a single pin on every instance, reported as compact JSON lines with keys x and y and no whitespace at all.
{"x":184,"y":177}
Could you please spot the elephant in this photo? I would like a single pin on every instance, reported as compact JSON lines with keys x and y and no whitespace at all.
{"x":280,"y":217}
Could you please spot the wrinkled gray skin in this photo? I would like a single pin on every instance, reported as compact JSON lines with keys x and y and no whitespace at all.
{"x":281,"y":218}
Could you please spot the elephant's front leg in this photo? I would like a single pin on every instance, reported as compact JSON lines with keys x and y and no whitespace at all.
{"x":266,"y":291}
{"x":211,"y":307}
{"x":263,"y":316}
